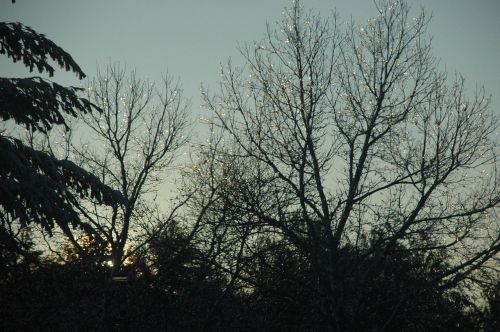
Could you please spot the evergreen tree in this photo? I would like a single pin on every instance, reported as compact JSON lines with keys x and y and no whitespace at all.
{"x":34,"y":185}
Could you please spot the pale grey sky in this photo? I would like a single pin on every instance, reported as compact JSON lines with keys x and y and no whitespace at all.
{"x":191,"y":38}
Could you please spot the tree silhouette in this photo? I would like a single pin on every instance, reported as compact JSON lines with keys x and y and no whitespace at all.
{"x":354,"y":138}
{"x":141,"y":128}
{"x":35,"y":186}
{"x":347,"y":185}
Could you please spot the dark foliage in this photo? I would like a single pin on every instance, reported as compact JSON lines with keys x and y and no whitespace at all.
{"x":491,"y":317}
{"x":20,"y":42}
{"x":37,"y":188}
{"x":181,"y":281}
{"x":38,"y":104}
{"x":194,"y":294}
{"x":285,"y":296}
{"x":390,"y":293}
{"x":54,"y":298}
{"x":34,"y":186}
{"x":18,"y":256}
{"x":177,"y":292}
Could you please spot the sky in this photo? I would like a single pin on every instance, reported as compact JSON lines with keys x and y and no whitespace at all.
{"x":191,"y":38}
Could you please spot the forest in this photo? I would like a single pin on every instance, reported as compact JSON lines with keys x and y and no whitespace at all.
{"x":345,"y":182}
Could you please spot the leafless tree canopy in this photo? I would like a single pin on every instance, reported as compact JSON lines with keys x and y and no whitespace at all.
{"x":140,"y":130}
{"x":350,"y":136}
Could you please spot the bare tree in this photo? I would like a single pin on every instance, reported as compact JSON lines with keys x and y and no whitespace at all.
{"x":355,"y":139}
{"x":130,"y":146}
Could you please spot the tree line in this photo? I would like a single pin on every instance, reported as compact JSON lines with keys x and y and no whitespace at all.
{"x":346,"y":183}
